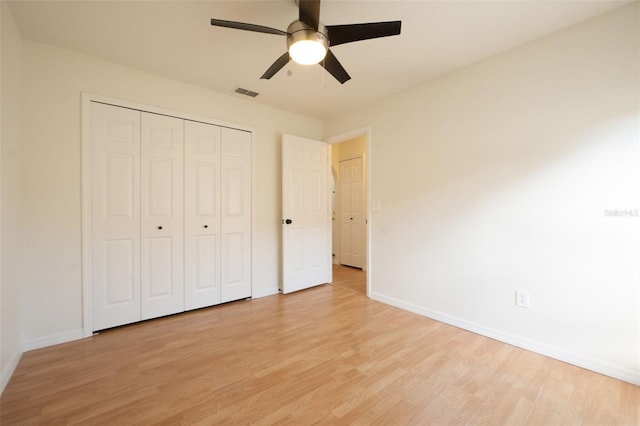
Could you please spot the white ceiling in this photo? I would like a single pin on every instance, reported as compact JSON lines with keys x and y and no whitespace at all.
{"x":175,"y":39}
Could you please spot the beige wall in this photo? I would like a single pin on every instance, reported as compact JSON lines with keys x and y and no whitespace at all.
{"x":498,"y":177}
{"x":11,"y":194}
{"x":53,"y":81}
{"x":352,"y":148}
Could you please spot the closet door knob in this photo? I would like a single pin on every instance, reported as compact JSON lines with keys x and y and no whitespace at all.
{"x":159,"y":227}
{"x":206,"y":226}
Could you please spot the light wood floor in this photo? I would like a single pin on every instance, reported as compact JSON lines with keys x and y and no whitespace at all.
{"x":349,"y":278}
{"x":321,"y":356}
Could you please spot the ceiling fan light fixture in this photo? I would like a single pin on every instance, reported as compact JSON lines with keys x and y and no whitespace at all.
{"x":306,"y":45}
{"x":307,"y":52}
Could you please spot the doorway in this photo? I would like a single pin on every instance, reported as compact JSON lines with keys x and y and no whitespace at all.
{"x":351,"y":217}
{"x":350,"y":224}
{"x":348,"y":278}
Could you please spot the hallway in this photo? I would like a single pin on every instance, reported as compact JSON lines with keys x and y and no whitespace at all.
{"x":348,"y":278}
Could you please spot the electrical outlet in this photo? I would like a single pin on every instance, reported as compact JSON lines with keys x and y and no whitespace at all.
{"x":522,"y":299}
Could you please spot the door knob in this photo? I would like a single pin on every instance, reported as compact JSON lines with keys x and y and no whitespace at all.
{"x":206,"y":226}
{"x":159,"y":227}
{"x":288,"y":221}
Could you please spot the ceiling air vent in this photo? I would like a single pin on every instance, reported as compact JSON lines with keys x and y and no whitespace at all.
{"x":246,"y":92}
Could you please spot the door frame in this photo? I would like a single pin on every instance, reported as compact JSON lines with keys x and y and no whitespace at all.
{"x":85,"y":123}
{"x":343,"y":137}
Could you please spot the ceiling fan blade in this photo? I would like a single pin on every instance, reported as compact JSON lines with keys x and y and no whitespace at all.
{"x":333,"y":66}
{"x":310,"y":12}
{"x":340,"y":34}
{"x":277,"y":66}
{"x":247,"y":27}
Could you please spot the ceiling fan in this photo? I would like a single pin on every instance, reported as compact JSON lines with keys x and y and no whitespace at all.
{"x":308,"y":40}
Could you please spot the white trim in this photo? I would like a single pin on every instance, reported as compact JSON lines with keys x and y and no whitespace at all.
{"x":352,"y":134}
{"x":8,"y":370}
{"x":598,"y":366}
{"x":366,"y":131}
{"x":254,"y":227}
{"x":86,"y":99}
{"x":329,"y":223}
{"x":87,"y":295}
{"x":54,"y":339}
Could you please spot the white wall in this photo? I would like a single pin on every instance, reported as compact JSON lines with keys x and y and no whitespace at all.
{"x":53,"y":81}
{"x":497,"y":177}
{"x":10,"y":191}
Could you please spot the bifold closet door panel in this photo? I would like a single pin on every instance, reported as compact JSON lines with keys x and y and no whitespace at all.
{"x":170,"y":215}
{"x":202,"y":215}
{"x":115,"y":215}
{"x":162,"y":211}
{"x":235,"y":214}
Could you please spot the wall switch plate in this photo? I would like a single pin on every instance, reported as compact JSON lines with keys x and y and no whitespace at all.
{"x":522,"y":299}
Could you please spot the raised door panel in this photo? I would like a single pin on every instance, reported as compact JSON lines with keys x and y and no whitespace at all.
{"x":202,"y":215}
{"x":162,"y":206}
{"x":316,"y":193}
{"x":115,"y":215}
{"x":235,"y":214}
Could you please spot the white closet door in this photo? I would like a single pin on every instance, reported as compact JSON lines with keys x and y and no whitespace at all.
{"x":115,"y":215}
{"x":162,"y":271}
{"x":351,"y":213}
{"x":235,"y":214}
{"x":202,"y":215}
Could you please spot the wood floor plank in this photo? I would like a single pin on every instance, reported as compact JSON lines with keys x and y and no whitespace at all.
{"x":348,"y":278}
{"x":322,"y":356}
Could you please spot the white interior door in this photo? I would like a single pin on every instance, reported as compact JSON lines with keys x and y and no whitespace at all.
{"x":202,"y":215}
{"x":235,"y":216}
{"x":162,"y":273}
{"x":306,"y":228}
{"x":351,"y":213}
{"x":115,"y":215}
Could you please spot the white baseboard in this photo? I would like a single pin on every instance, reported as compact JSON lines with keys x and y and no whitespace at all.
{"x":265,"y":292}
{"x":54,"y":339}
{"x":8,"y":371}
{"x":597,"y":366}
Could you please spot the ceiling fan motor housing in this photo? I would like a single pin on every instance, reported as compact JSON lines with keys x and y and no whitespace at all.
{"x":299,"y":31}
